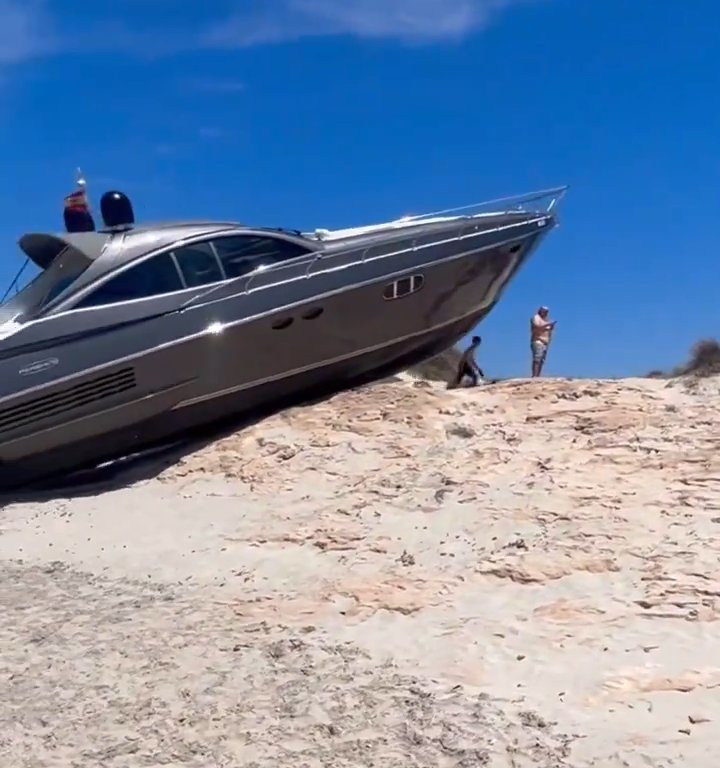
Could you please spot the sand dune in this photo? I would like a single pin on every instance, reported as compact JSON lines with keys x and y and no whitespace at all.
{"x":524,"y":574}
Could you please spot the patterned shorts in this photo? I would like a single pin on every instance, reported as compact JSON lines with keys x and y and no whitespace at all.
{"x":539,"y":349}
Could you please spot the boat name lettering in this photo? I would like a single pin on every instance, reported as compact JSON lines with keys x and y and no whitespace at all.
{"x":39,"y":366}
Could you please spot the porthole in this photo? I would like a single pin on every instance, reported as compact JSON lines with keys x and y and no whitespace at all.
{"x":403,"y":287}
{"x":313,"y":314}
{"x":281,"y":325}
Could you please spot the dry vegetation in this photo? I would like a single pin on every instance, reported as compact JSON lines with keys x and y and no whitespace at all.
{"x":704,"y":361}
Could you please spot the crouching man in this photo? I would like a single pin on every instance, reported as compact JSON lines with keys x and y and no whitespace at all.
{"x":467,"y":366}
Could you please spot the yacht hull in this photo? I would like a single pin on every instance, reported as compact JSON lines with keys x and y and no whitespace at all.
{"x":309,"y":338}
{"x":233,"y":409}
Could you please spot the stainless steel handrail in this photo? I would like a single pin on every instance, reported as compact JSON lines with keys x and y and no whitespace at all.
{"x":556,"y":194}
{"x":540,"y":220}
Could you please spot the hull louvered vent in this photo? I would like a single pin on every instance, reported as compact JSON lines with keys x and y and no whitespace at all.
{"x":65,"y":401}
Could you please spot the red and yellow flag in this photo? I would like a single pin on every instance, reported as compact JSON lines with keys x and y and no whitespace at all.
{"x":76,"y":201}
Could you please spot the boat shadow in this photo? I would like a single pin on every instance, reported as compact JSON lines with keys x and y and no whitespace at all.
{"x":127,"y":471}
{"x":150,"y":463}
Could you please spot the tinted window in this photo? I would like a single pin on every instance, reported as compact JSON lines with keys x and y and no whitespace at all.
{"x":240,"y":255}
{"x":153,"y":277}
{"x":58,"y":288}
{"x":198,"y":264}
{"x":47,"y":286}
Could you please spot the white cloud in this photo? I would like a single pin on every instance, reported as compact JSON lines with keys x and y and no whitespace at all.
{"x":31,"y":28}
{"x":402,"y":18}
{"x":416,"y":20}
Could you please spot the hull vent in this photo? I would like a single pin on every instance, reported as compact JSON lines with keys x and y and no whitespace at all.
{"x":66,"y":401}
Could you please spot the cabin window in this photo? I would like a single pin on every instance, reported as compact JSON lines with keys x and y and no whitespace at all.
{"x":59,"y":287}
{"x":403,"y":287}
{"x":152,"y":277}
{"x":199,"y":265}
{"x":46,"y":287}
{"x":242,"y":254}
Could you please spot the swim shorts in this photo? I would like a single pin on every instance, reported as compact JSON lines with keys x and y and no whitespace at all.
{"x":539,"y":349}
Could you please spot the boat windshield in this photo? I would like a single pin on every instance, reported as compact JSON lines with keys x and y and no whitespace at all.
{"x":46,"y":287}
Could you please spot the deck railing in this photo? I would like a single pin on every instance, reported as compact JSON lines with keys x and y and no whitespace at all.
{"x":538,"y":215}
{"x":543,"y":201}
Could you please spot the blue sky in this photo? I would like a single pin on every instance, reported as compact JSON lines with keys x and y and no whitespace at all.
{"x":310,"y":113}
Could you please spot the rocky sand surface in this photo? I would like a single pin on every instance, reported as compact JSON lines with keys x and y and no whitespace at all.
{"x":522,"y":574}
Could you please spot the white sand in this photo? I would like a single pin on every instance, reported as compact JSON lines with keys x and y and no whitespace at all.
{"x":526,"y":574}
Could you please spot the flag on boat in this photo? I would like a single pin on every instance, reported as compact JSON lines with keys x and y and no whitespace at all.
{"x":77,"y":212}
{"x":77,"y":201}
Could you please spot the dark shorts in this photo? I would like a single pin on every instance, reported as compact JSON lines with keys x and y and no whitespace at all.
{"x":466,"y":370}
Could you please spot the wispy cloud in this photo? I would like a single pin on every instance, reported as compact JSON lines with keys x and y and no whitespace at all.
{"x":31,"y":28}
{"x":212,"y":133}
{"x":165,"y":149}
{"x":219,"y":85}
{"x":26,"y":30}
{"x":409,"y":20}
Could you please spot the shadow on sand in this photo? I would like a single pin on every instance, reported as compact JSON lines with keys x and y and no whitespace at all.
{"x":155,"y":459}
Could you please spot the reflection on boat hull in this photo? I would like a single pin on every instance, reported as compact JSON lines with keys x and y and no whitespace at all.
{"x":233,"y":409}
{"x":323,"y":344}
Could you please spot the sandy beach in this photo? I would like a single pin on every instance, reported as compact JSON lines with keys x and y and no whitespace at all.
{"x":522,"y":574}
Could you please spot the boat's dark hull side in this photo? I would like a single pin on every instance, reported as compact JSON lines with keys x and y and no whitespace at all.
{"x":355,"y":320}
{"x":254,"y":365}
{"x":228,"y":410}
{"x":59,"y":387}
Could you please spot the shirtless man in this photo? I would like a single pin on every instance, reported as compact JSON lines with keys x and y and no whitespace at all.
{"x":467,"y":365}
{"x":540,"y":331}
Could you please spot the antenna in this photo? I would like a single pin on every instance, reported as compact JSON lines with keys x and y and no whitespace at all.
{"x":80,"y":179}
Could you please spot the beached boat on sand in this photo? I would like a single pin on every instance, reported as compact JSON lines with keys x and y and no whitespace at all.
{"x":134,"y":334}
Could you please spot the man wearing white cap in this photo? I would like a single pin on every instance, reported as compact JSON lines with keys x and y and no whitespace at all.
{"x":540,"y":331}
